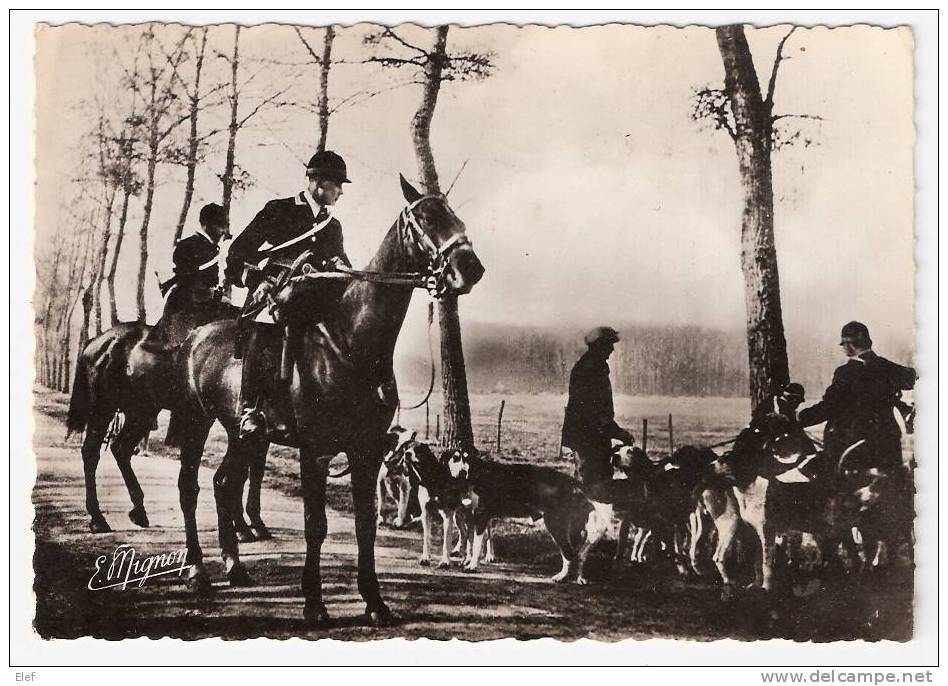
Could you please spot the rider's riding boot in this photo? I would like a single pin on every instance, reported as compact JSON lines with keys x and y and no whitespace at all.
{"x":252,"y":420}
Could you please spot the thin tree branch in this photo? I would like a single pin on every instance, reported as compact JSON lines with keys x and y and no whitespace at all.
{"x":355,"y":99}
{"x":769,"y":101}
{"x":394,"y":61}
{"x":797,"y":116}
{"x":390,"y":33}
{"x":456,"y":177}
{"x":263,"y":103}
{"x":318,"y":59}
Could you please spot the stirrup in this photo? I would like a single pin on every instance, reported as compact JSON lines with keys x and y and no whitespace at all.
{"x":252,"y":422}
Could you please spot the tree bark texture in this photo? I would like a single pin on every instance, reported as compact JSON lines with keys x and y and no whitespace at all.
{"x":227,"y":178}
{"x":98,"y":273}
{"x":143,"y":231}
{"x":113,"y":266}
{"x":194,"y":109}
{"x":766,"y":343}
{"x":457,"y":407}
{"x":324,"y":89}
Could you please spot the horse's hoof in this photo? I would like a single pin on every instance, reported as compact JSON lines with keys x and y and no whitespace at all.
{"x":246,"y":535}
{"x":316,"y":617}
{"x":469,"y":569}
{"x":262,"y":532}
{"x":200,"y":585}
{"x":380,"y":617}
{"x":99,"y":526}
{"x":489,"y":560}
{"x":425,"y":562}
{"x":581,"y":581}
{"x":139,"y":517}
{"x":238,"y":576}
{"x":443,"y":564}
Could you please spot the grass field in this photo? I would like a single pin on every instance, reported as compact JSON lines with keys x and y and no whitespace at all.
{"x":530,"y":429}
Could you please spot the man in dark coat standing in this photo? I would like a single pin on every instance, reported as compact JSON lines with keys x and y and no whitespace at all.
{"x":589,"y":425}
{"x":192,"y":296}
{"x":859,"y":404}
{"x":291,"y":226}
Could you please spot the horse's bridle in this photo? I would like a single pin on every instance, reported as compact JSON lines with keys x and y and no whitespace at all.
{"x":431,"y":279}
{"x":438,"y":256}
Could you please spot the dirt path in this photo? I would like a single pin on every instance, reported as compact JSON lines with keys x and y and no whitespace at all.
{"x":506,"y":600}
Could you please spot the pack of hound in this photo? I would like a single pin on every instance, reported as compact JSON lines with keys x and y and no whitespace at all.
{"x":658,"y":507}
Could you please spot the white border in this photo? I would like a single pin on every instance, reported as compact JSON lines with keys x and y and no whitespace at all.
{"x":29,"y":649}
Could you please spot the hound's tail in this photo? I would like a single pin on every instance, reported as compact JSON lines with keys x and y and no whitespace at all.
{"x":80,"y":403}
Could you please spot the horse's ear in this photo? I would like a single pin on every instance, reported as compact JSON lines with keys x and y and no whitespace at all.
{"x":410,"y":192}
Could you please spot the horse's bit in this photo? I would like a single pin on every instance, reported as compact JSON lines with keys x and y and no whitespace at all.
{"x":437,"y":256}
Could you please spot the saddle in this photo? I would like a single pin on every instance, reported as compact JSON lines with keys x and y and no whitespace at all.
{"x":151,"y":372}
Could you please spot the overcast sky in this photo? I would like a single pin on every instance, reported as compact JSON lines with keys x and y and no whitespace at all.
{"x":589,"y":193}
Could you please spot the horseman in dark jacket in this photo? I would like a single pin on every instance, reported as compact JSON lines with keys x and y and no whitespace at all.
{"x":859,"y":404}
{"x":193,"y":295}
{"x":297,"y":228}
{"x":589,"y":425}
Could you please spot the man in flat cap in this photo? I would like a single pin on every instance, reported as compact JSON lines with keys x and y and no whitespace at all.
{"x":192,"y":296}
{"x":859,"y":403}
{"x":589,"y":425}
{"x":291,"y":226}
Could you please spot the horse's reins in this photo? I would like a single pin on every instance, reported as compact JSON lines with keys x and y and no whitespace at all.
{"x":431,"y":279}
{"x":431,"y":379}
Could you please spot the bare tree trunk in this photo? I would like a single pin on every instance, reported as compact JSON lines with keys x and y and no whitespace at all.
{"x":324,"y":89}
{"x":98,"y":273}
{"x":766,"y":344}
{"x":143,"y":231}
{"x":195,"y":106}
{"x":86,"y":314}
{"x":421,"y":122}
{"x":152,"y":164}
{"x":457,"y":406}
{"x":116,"y":251}
{"x":227,"y":178}
{"x":64,"y":366}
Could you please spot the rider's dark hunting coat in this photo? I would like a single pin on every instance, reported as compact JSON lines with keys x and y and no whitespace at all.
{"x":858,"y":405}
{"x":590,"y":418}
{"x":193,"y":299}
{"x":278,"y":222}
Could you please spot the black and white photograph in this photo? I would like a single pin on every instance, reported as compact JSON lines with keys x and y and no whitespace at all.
{"x":477,"y":330}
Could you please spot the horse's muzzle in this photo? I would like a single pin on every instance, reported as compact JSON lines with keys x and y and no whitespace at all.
{"x":464,"y":271}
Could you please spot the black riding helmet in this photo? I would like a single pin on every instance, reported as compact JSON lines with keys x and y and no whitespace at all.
{"x":328,"y":165}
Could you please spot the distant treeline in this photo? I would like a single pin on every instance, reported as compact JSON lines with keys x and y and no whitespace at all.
{"x":680,"y":360}
{"x":649,"y":360}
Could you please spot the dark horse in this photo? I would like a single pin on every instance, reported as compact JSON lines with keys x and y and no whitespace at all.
{"x":103,"y":386}
{"x":113,"y":374}
{"x":342,"y":395}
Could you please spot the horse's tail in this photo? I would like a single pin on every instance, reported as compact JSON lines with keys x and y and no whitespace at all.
{"x":80,"y":402}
